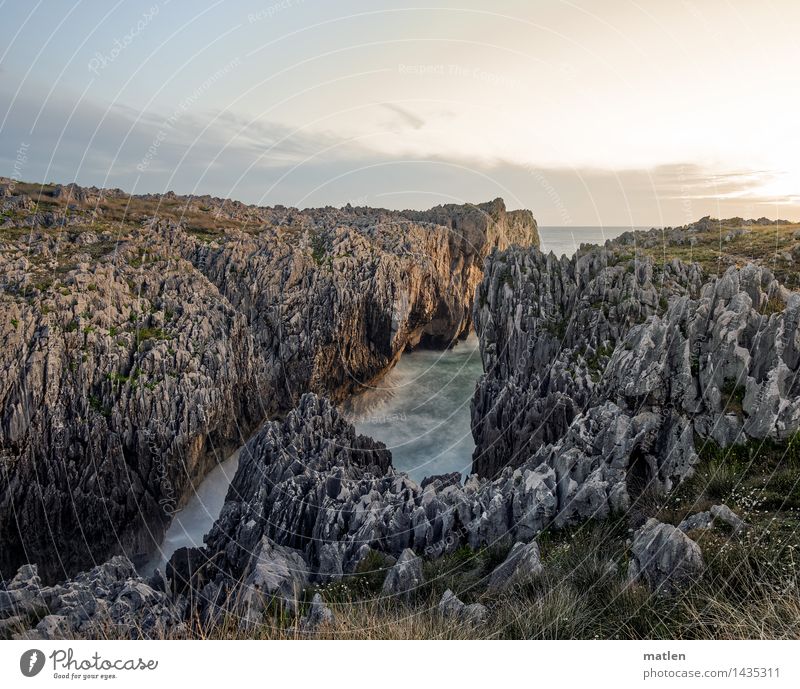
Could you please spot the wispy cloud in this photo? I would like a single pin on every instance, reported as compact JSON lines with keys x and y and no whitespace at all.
{"x":406,"y":116}
{"x":231,"y":154}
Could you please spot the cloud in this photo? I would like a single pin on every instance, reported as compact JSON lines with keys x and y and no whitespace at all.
{"x":405,"y":116}
{"x":230,"y":154}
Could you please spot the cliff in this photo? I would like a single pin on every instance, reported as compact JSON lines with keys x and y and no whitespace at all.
{"x":562,"y":339}
{"x":145,"y":337}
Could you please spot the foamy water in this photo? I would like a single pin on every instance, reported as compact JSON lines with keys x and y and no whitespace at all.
{"x":420,"y":410}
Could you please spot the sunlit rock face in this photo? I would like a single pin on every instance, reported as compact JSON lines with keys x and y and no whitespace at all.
{"x":138,"y":351}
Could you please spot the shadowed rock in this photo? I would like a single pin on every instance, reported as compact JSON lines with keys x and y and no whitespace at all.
{"x":318,"y":615}
{"x":573,"y":348}
{"x":522,"y":564}
{"x":452,"y":608}
{"x":405,"y":576}
{"x":664,"y":557}
{"x":138,"y":355}
{"x":109,"y":600}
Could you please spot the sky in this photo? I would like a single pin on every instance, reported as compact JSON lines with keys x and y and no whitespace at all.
{"x":602,"y":112}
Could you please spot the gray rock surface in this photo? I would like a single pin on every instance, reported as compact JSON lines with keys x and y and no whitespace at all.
{"x":274,"y":575}
{"x":717,"y":515}
{"x":701,"y":520}
{"x":110,"y":600}
{"x":405,"y":576}
{"x":606,"y":368}
{"x":452,"y":608}
{"x":724,"y":514}
{"x":664,"y":557}
{"x":547,"y":328}
{"x":119,"y":389}
{"x":312,"y":484}
{"x":135,"y":354}
{"x":522,"y":564}
{"x":318,"y":615}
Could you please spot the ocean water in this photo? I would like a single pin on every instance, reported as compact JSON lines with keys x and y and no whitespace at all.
{"x":420,"y":410}
{"x":566,"y":240}
{"x":191,"y":523}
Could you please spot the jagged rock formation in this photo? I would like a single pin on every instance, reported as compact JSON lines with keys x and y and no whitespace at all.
{"x":522,"y":564}
{"x":143,"y":338}
{"x":718,"y":515}
{"x":727,"y":360}
{"x":334,"y":297}
{"x":273,"y":574}
{"x":312,"y":500}
{"x":547,"y":328}
{"x":405,"y":577}
{"x":452,"y":608}
{"x":119,"y":388}
{"x":144,"y":350}
{"x":664,"y":557}
{"x":609,"y":344}
{"x":311,"y":484}
{"x":111,"y":600}
{"x":318,"y":615}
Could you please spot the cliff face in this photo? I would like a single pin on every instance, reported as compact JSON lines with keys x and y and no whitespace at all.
{"x":123,"y":382}
{"x":143,"y":338}
{"x":333,"y":297}
{"x":607,"y":336}
{"x":547,"y":328}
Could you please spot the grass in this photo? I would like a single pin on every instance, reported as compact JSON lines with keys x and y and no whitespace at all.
{"x":144,"y":334}
{"x":319,"y":248}
{"x":600,"y":358}
{"x":750,"y":590}
{"x":117,"y":378}
{"x":773,"y":305}
{"x":768,"y":245}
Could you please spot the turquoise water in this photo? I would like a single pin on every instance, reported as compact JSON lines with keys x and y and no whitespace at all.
{"x":420,"y":410}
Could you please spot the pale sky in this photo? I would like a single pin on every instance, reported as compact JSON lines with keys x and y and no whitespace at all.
{"x":610,"y":112}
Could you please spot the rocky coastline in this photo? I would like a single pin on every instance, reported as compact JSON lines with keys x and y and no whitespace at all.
{"x":144,"y":338}
{"x":617,"y":390}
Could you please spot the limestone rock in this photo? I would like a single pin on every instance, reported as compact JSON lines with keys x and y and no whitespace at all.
{"x":405,"y":576}
{"x":521,"y":565}
{"x":110,"y":599}
{"x":149,"y":353}
{"x":724,"y":514}
{"x":318,"y":615}
{"x":606,"y":368}
{"x":664,"y":557}
{"x":274,"y":575}
{"x":452,"y":608}
{"x":701,"y":520}
{"x":719,"y":514}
